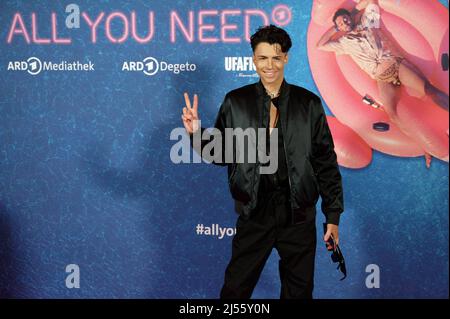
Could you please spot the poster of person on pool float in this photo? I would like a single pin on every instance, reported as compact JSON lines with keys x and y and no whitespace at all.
{"x":382,"y":68}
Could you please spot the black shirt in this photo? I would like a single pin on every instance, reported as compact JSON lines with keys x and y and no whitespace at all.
{"x":279,"y":179}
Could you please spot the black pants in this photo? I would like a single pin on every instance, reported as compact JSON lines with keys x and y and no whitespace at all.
{"x":270,"y":226}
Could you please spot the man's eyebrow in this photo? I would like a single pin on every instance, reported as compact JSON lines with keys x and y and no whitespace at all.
{"x":265,"y":56}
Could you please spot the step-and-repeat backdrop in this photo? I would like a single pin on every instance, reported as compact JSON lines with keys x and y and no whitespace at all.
{"x":92,"y":202}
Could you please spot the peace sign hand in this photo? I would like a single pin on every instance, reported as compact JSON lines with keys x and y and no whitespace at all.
{"x":190,"y":114}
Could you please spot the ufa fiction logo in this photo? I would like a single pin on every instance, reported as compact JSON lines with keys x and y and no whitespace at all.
{"x":242,"y":65}
{"x":34,"y":66}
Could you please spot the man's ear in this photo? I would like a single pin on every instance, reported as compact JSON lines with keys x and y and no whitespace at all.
{"x":286,"y":58}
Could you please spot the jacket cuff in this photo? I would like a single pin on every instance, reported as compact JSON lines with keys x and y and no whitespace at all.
{"x":333,"y":218}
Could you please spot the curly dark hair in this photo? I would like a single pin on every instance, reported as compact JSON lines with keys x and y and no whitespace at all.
{"x":341,"y":12}
{"x":272,"y":35}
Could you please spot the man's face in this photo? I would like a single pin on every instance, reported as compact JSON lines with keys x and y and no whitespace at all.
{"x":344,"y":23}
{"x":269,"y":62}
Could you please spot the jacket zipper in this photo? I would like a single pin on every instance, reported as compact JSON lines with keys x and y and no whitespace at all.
{"x":286,"y":156}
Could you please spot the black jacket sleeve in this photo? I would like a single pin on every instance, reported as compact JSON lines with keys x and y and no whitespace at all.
{"x":221,"y":122}
{"x":324,"y":162}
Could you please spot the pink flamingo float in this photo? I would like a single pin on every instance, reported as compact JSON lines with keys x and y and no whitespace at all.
{"x":420,"y":28}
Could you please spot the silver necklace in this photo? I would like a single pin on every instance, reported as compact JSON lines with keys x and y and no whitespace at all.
{"x":273,"y":94}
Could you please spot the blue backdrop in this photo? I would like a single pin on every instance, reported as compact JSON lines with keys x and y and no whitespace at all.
{"x":86,"y":176}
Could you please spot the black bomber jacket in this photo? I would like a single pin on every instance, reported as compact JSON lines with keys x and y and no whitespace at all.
{"x":311,"y":160}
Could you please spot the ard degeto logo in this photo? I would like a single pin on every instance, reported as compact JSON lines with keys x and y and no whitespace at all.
{"x":151,"y":66}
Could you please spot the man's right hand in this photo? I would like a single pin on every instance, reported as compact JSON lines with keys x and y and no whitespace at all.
{"x":190,"y":114}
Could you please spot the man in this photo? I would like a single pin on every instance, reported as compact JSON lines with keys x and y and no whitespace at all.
{"x":359,"y":34}
{"x":277,"y":210}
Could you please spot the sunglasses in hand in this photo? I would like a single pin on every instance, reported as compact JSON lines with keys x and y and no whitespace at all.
{"x":336,"y":255}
